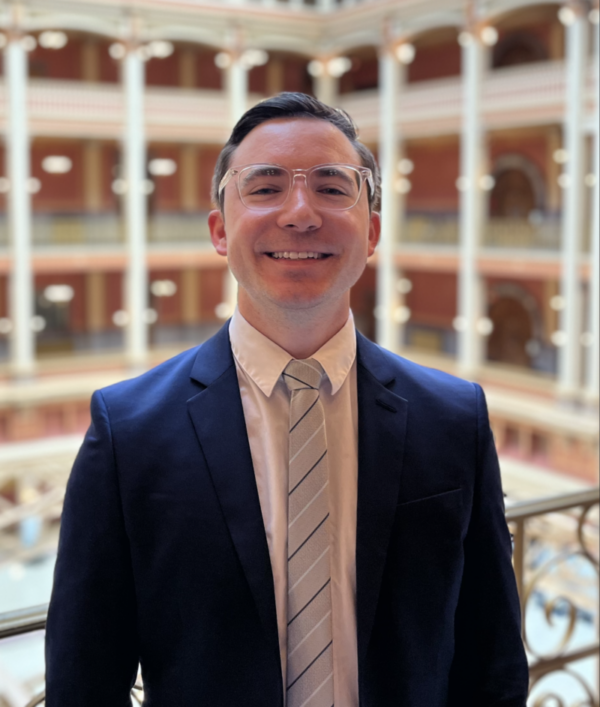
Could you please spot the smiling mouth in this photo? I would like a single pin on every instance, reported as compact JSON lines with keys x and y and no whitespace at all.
{"x":298,"y":255}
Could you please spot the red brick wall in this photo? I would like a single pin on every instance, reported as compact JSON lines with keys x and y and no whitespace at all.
{"x":163,"y":72}
{"x":62,"y":63}
{"x":432,"y":299}
{"x":167,"y":191}
{"x":296,"y":76}
{"x":77,"y":304}
{"x":168,"y":308}
{"x":435,"y":62}
{"x":211,"y":292}
{"x":114,"y":296}
{"x":530,"y":145}
{"x":257,"y":80}
{"x":436,"y":168}
{"x":207,"y":158}
{"x":207,"y":74}
{"x":3,"y":296}
{"x":59,"y":192}
{"x":110,"y":69}
{"x":363,"y":75}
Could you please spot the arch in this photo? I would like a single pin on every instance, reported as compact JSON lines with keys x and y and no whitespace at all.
{"x":517,"y":163}
{"x":517,"y":321}
{"x":364,"y":73}
{"x":518,"y":48}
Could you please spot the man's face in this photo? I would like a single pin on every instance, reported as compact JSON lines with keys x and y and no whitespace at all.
{"x":343,"y":239}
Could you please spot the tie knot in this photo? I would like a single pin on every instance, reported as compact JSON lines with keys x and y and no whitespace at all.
{"x":299,"y":374}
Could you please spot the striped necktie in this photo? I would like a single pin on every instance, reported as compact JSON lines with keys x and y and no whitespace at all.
{"x":310,"y":637}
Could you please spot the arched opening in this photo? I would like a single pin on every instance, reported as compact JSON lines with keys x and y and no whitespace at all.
{"x":437,"y":55}
{"x":364,"y":72}
{"x":513,"y":328}
{"x":529,"y":34}
{"x":513,"y":195}
{"x":519,"y":48}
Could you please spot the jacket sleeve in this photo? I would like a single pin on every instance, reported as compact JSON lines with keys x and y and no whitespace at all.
{"x":490,"y":666}
{"x":91,"y":639}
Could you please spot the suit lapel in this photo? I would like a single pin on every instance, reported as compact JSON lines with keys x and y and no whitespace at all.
{"x":381,"y":430}
{"x":218,"y":419}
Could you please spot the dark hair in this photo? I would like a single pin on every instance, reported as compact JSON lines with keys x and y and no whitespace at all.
{"x":294,"y":105}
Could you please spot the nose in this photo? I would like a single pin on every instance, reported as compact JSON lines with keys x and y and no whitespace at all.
{"x":297,"y":213}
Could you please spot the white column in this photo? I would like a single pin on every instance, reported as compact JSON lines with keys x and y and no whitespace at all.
{"x":237,"y":93}
{"x":470,"y":289}
{"x":136,"y":290}
{"x":22,"y":342}
{"x":326,"y":87}
{"x":592,"y":373}
{"x":388,"y":330}
{"x":569,"y":361}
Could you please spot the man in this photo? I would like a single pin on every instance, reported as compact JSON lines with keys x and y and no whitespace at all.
{"x":288,"y":514}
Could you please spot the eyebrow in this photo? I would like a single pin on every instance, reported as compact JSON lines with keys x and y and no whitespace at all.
{"x":267,"y":171}
{"x":329,"y":172}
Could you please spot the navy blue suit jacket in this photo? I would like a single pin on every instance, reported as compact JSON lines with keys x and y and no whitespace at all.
{"x":163,"y":556}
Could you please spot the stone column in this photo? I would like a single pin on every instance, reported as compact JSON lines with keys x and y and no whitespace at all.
{"x":592,"y":374}
{"x":569,"y":359}
{"x":388,"y":329}
{"x":237,"y":93}
{"x":134,"y":148}
{"x":470,"y":286}
{"x":21,"y":284}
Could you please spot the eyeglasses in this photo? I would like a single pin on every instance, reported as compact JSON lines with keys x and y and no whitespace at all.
{"x":330,"y":186}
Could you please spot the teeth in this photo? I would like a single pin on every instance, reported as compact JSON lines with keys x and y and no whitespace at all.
{"x":294,"y":255}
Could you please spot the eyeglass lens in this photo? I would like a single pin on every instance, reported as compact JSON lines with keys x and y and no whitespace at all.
{"x":329,"y":186}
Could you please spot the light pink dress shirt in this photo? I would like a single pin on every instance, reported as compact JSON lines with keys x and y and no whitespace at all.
{"x":266,"y":403}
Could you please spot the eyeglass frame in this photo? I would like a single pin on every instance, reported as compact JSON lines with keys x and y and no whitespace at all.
{"x":365,"y":173}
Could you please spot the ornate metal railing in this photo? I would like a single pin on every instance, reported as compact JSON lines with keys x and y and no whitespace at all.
{"x":564,"y":527}
{"x":545,"y":572}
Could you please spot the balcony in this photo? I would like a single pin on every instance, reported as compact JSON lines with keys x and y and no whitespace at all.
{"x":523,"y":95}
{"x":556,"y":566}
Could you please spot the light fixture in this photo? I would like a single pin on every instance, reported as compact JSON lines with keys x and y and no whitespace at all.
{"x":224,"y":310}
{"x":460,"y":323}
{"x":462,"y":183}
{"x":315,"y":68}
{"x":557,"y":303}
{"x":37,"y":323}
{"x":223,"y":60}
{"x":147,"y":186}
{"x":160,"y":49}
{"x":120,"y":318}
{"x":401,"y":315}
{"x":566,"y":16}
{"x":254,"y":57}
{"x":594,"y":16}
{"x":57,"y":164}
{"x":51,"y":39}
{"x":59,"y":294}
{"x":117,"y":50}
{"x":586,"y":339}
{"x":465,"y":39}
{"x":402,"y":185}
{"x":406,"y":166}
{"x":564,"y":181}
{"x":163,"y":288}
{"x":487,"y":182}
{"x":484,"y":326}
{"x":4,"y":185}
{"x":404,"y":285}
{"x":338,"y":66}
{"x":33,"y":185}
{"x":5,"y":325}
{"x":558,"y":338}
{"x":590,"y":180}
{"x":406,"y":53}
{"x":560,"y":156}
{"x":162,"y":167}
{"x":29,"y":43}
{"x":149,"y":316}
{"x":119,"y":186}
{"x":489,"y":35}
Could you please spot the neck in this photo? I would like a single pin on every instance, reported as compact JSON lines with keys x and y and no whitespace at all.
{"x":300,"y":332}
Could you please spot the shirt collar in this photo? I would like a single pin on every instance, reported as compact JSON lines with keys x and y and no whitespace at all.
{"x":264,"y":361}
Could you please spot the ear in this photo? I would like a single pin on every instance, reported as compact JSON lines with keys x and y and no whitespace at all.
{"x":216,"y":226}
{"x":374,"y":232}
